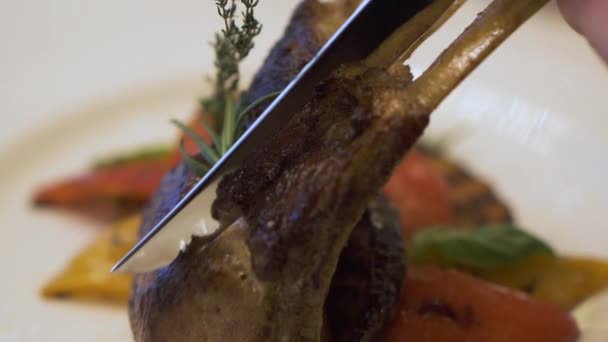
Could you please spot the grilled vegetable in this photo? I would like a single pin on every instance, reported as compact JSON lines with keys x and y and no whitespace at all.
{"x":122,"y":184}
{"x":505,"y":255}
{"x":149,"y":153}
{"x":448,"y":305}
{"x":87,"y":276}
{"x":486,"y":248}
{"x":124,"y":187}
{"x":420,"y":192}
{"x":564,"y":281}
{"x":472,"y":201}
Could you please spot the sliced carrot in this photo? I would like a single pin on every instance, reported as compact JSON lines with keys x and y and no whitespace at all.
{"x":420,"y":194}
{"x":132,"y":181}
{"x":448,"y":305}
{"x":128,"y":184}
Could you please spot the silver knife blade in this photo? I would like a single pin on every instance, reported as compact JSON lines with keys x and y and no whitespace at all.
{"x":360,"y":35}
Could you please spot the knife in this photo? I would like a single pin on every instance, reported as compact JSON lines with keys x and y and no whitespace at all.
{"x":359,"y":36}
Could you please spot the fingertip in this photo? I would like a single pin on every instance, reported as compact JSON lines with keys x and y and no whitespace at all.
{"x":589,"y":18}
{"x":571,"y":10}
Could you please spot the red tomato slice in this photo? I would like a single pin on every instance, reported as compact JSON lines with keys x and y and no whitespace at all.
{"x":420,"y":193}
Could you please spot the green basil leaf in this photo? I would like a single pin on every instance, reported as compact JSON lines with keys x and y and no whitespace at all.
{"x":487,"y":247}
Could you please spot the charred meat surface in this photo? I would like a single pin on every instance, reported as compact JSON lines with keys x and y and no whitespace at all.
{"x":303,"y":194}
{"x":292,"y":208}
{"x":362,"y":296}
{"x":301,"y":197}
{"x":213,"y":293}
{"x":312,"y":24}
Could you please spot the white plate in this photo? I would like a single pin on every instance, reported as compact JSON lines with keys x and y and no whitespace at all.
{"x":81,"y":79}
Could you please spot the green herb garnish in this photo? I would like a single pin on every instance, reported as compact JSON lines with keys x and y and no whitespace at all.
{"x":232,"y":44}
{"x":227,"y":107}
{"x":487,"y":247}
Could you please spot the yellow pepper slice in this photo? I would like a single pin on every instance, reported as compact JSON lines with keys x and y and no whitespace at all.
{"x":565,"y":281}
{"x":88,"y":275}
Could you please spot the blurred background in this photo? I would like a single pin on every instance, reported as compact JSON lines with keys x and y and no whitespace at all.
{"x":102,"y":49}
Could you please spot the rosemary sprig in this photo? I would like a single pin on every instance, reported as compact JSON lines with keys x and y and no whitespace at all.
{"x":231,"y":45}
{"x":220,"y":144}
{"x":253,"y":106}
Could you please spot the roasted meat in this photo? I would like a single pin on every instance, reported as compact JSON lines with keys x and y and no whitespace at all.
{"x":293,"y":207}
{"x":217,"y":282}
{"x":311,"y":25}
{"x":362,"y":296}
{"x":370,"y":271}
